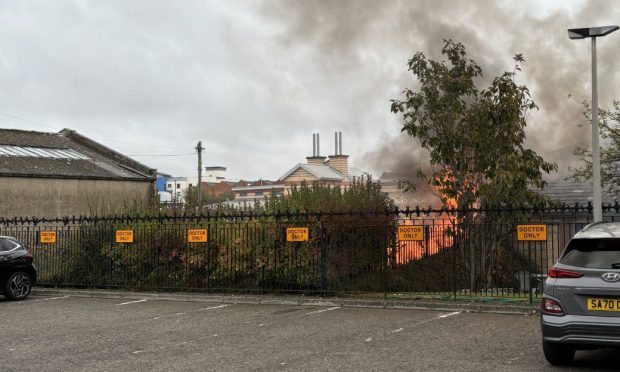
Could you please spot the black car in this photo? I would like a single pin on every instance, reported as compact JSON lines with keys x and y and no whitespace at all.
{"x":17,"y":273}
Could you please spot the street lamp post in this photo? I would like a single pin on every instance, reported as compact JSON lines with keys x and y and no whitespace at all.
{"x":593,"y":33}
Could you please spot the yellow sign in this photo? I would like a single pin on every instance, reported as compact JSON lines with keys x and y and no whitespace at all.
{"x":408,"y":233}
{"x":124,"y":236}
{"x":197,"y":236}
{"x":532,"y":232}
{"x":297,"y":234}
{"x":47,"y":237}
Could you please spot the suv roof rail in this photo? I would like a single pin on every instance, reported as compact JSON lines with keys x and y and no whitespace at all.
{"x":594,"y":224}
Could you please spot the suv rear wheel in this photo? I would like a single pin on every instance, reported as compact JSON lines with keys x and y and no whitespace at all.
{"x":18,"y":286}
{"x":558,"y":354}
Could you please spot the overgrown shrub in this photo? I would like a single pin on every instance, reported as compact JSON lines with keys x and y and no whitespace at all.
{"x":350,"y":233}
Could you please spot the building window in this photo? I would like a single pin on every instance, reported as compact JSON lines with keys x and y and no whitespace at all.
{"x":243,"y":193}
{"x":178,"y":185}
{"x":190,"y":185}
{"x":169,"y":185}
{"x":258,"y":193}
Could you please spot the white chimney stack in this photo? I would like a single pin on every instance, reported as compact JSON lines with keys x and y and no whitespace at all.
{"x":316,"y":157}
{"x":338,"y":161}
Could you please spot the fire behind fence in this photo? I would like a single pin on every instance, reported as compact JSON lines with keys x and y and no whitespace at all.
{"x":342,"y":251}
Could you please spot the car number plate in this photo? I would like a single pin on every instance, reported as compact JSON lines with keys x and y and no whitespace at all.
{"x":603,"y":304}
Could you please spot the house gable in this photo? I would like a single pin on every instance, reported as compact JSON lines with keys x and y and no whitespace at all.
{"x":299,"y":175}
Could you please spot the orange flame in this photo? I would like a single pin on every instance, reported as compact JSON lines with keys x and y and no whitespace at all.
{"x":436,"y":237}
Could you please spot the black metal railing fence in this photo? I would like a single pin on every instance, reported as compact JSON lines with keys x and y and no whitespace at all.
{"x":344,"y":251}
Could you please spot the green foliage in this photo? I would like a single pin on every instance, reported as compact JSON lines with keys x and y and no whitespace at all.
{"x":86,"y":263}
{"x":474,"y":136}
{"x":344,"y":251}
{"x":358,"y":240}
{"x":609,"y":125}
{"x":359,"y":196}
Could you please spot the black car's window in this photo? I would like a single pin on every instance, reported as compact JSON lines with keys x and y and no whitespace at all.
{"x":7,"y":245}
{"x":592,"y":253}
{"x":19,"y":245}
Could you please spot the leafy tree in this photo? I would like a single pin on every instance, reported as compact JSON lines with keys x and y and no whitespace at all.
{"x":609,"y":124}
{"x":360,"y":196}
{"x":475,"y":138}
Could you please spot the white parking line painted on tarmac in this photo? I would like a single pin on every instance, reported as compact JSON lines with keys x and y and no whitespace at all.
{"x":416,"y":324}
{"x":49,"y":299}
{"x":131,"y":302}
{"x":450,"y":314}
{"x":40,"y":300}
{"x":190,"y":312}
{"x":213,"y":307}
{"x":321,"y":311}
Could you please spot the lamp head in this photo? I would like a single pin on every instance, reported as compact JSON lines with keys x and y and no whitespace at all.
{"x":582,"y":33}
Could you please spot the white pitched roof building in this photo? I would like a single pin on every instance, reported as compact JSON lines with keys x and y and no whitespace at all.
{"x":331,"y":170}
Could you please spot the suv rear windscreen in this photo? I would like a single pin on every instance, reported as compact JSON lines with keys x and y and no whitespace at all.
{"x":592,"y":253}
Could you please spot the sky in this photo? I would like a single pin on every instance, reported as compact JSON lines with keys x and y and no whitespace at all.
{"x":253,"y":80}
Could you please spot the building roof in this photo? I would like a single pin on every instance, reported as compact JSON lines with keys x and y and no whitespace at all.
{"x":259,"y":188}
{"x":573,"y":192}
{"x":320,"y":172}
{"x":66,"y":154}
{"x":395,"y":177}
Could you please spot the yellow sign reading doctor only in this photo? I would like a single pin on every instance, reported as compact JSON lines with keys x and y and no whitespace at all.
{"x":197,"y":236}
{"x":124,"y":236}
{"x":537,"y":233}
{"x":297,"y":234}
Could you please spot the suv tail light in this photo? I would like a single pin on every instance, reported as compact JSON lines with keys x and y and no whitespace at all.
{"x":552,"y":307}
{"x":28,"y":258}
{"x":565,"y":274}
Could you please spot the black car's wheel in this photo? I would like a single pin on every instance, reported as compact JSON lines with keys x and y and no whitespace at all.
{"x":558,"y":354}
{"x":18,"y":286}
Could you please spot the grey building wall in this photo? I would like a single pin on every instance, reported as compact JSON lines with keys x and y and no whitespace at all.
{"x":48,"y":197}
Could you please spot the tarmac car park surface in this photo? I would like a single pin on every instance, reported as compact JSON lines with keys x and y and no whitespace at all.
{"x":65,"y":333}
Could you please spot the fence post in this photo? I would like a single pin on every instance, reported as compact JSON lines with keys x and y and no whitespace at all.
{"x":323,"y":263}
{"x":182,"y":232}
{"x":264,"y":258}
{"x":276,"y":245}
{"x":455,"y":247}
{"x":472,"y":259}
{"x":206,"y":254}
{"x":392,"y":239}
{"x":529,"y":257}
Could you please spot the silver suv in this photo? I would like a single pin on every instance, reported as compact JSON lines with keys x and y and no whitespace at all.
{"x":581,"y":301}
